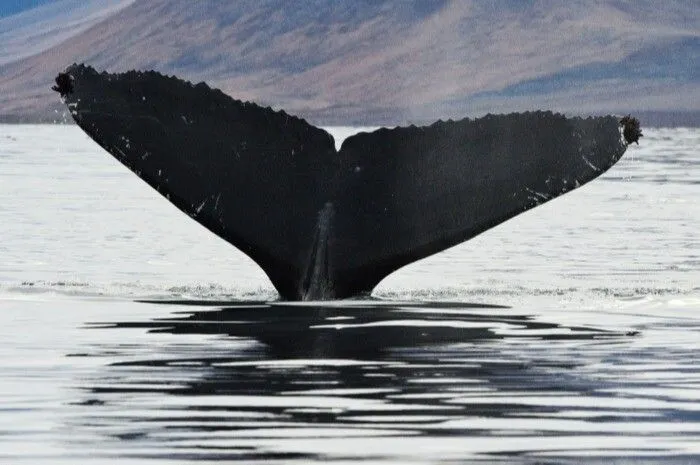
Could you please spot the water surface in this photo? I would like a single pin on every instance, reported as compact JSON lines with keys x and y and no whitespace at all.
{"x":129,"y":333}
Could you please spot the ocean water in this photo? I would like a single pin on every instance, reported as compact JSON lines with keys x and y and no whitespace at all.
{"x":130,"y":334}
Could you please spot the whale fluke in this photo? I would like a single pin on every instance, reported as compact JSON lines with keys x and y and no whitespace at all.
{"x":326,"y":223}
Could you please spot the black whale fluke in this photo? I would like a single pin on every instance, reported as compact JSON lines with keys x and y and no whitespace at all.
{"x":323,"y":223}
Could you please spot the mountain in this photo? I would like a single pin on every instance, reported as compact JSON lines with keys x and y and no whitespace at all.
{"x":369,"y":62}
{"x":41,"y":29}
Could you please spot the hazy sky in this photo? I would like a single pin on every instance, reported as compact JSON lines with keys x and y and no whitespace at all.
{"x":9,"y":7}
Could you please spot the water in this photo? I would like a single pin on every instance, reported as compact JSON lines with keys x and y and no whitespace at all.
{"x":129,"y":333}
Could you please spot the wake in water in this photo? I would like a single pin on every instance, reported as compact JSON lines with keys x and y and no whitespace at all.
{"x":497,"y":294}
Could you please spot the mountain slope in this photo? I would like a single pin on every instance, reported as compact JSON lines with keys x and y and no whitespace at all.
{"x":40,"y":29}
{"x":372,"y":61}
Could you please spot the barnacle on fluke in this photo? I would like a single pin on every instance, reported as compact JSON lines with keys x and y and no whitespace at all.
{"x":631,"y":129}
{"x":326,"y":223}
{"x":64,"y":84}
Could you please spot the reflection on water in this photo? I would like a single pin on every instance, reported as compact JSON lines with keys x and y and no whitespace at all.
{"x":327,"y":329}
{"x":385,"y":382}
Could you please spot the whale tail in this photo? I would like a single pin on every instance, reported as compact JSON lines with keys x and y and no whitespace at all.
{"x":324,"y":223}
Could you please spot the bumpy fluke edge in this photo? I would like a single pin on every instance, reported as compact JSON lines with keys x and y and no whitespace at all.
{"x":327,"y":224}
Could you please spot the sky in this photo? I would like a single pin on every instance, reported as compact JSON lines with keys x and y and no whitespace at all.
{"x":10,"y":7}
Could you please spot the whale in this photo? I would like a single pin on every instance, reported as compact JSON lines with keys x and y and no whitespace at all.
{"x":325,"y":223}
